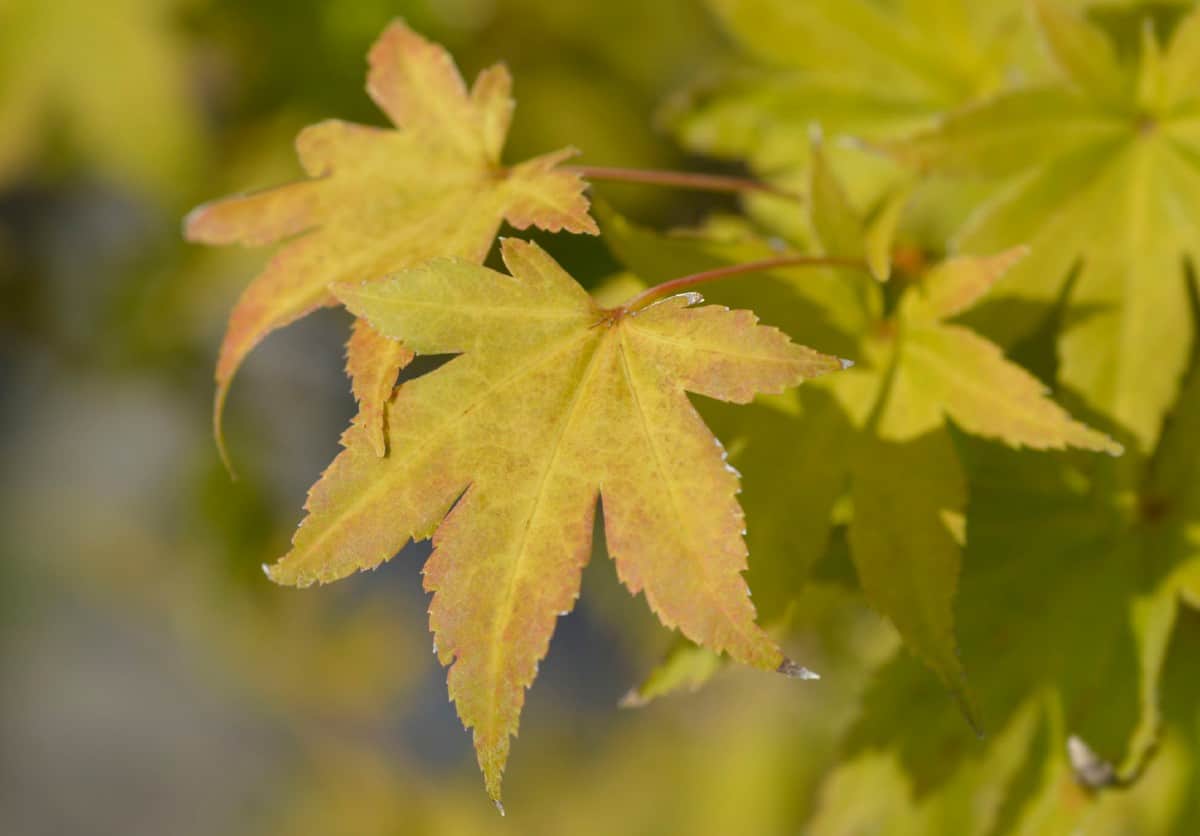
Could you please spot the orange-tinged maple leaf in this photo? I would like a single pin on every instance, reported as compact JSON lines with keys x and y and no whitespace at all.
{"x":551,"y":404}
{"x":379,"y":200}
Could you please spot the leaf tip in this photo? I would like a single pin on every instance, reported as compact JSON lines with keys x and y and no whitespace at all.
{"x":192,"y":224}
{"x":491,"y":780}
{"x":968,"y":708}
{"x":271,"y":570}
{"x":792,"y":670}
{"x":632,"y":699}
{"x":218,"y":431}
{"x":1008,"y":259}
{"x":1099,"y":442}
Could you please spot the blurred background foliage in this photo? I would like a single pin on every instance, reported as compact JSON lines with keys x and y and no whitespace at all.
{"x":152,"y":681}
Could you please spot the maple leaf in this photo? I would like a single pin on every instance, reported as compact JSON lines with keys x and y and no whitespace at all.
{"x":551,"y":403}
{"x":1092,"y":583}
{"x":883,"y":426}
{"x":1094,"y":577}
{"x":379,"y":200}
{"x":1097,"y":169}
{"x":853,"y":67}
{"x":1079,"y":670}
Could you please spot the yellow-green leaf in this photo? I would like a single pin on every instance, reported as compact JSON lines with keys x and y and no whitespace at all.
{"x":1181,"y":63}
{"x":854,"y":67}
{"x":1102,"y":176}
{"x":955,"y":285}
{"x":552,"y":404}
{"x":988,"y":396}
{"x":685,"y":667}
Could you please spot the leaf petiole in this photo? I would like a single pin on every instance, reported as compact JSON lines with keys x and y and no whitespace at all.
{"x":676,"y":179}
{"x":673,"y":286}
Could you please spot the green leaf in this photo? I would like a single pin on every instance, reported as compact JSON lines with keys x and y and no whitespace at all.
{"x":795,"y":460}
{"x":867,"y":57}
{"x":1089,"y":587}
{"x":906,"y":537}
{"x":1093,"y":174}
{"x":871,"y":793}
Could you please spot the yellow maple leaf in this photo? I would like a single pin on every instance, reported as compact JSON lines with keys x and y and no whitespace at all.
{"x":379,"y":200}
{"x":551,"y":403}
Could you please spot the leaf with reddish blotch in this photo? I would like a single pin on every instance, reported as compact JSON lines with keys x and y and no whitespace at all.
{"x":380,"y":200}
{"x":551,"y":403}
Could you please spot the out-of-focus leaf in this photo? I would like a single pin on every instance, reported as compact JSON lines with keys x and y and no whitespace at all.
{"x":836,"y":224}
{"x":1093,"y":173}
{"x":905,"y":538}
{"x":879,"y":237}
{"x":114,"y":73}
{"x":1092,"y":578}
{"x":853,"y":66}
{"x":685,"y":667}
{"x":1081,"y":51}
{"x":871,"y":793}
